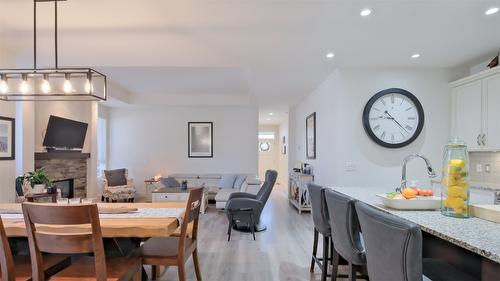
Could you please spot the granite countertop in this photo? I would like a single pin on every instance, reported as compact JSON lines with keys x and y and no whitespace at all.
{"x":476,"y":235}
{"x":485,"y":186}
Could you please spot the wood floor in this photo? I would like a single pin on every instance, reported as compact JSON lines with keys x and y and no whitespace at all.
{"x":282,"y":252}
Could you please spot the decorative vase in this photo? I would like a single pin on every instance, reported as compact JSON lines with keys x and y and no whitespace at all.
{"x":455,"y":193}
{"x":38,"y":188}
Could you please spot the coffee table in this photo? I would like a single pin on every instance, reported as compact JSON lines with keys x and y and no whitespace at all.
{"x":33,"y":196}
{"x":177,"y":194}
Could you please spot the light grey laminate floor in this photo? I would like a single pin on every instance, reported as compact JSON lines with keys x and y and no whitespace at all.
{"x":282,"y":252}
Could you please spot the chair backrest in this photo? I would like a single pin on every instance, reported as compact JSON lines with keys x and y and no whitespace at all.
{"x":6,"y":260}
{"x":19,"y":186}
{"x":191,"y":215}
{"x":344,"y":223}
{"x":393,"y":245}
{"x":319,"y":209}
{"x":267,"y":186}
{"x":52,"y":238}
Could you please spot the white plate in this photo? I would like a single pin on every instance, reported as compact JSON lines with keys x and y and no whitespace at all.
{"x":418,"y":203}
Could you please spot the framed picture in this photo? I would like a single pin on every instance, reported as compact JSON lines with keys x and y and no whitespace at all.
{"x":200,"y":140}
{"x":7,"y":138}
{"x":311,"y":136}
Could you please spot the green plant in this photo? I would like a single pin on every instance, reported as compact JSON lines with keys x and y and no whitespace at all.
{"x":37,"y":177}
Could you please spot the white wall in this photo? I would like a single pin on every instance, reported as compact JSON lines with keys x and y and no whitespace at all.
{"x":283,"y":158}
{"x":339,"y":102}
{"x":153,"y":140}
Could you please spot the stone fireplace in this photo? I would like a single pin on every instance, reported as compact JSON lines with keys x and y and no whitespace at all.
{"x":67,"y":169}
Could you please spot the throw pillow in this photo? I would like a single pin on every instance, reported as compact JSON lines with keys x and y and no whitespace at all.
{"x":227,"y":181}
{"x":170,"y":182}
{"x":116,"y":177}
{"x":239,"y":181}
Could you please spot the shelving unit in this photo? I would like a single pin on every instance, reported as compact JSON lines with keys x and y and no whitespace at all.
{"x":297,"y":191}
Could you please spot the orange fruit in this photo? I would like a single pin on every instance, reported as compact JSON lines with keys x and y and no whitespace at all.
{"x":409,"y":193}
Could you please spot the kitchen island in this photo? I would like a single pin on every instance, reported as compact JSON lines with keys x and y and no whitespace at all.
{"x":472,"y":244}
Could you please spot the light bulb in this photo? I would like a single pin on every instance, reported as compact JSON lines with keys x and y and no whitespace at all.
{"x":24,"y":87}
{"x":45,"y":84}
{"x":4,"y":88}
{"x":89,"y":87}
{"x":67,"y":87}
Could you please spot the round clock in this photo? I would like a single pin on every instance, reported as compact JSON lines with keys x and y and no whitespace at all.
{"x":393,"y":118}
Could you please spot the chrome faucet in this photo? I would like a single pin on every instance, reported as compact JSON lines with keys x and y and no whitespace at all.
{"x":430,"y":170}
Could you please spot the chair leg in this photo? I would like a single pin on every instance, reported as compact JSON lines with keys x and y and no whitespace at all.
{"x":331,"y":251}
{"x":252,"y":226}
{"x":107,"y":200}
{"x":181,"y":271}
{"x":351,"y":272}
{"x":102,"y":198}
{"x":154,"y":272}
{"x":335,"y":263}
{"x":229,"y":228}
{"x":315,"y":249}
{"x":326,"y":247}
{"x":196,"y":265}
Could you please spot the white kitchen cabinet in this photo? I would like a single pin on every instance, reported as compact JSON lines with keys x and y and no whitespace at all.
{"x":468,"y":113}
{"x":476,"y":110}
{"x":492,"y":98}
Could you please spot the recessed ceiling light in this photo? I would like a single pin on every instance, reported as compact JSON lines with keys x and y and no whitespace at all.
{"x":415,"y":56}
{"x":365,"y":12}
{"x":330,"y":55}
{"x":270,"y":113}
{"x":268,"y":119}
{"x":492,"y":11}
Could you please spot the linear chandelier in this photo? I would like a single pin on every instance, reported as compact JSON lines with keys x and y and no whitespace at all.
{"x":51,"y":84}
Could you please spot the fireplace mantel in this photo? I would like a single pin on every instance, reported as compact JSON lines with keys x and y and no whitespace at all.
{"x":61,"y":155}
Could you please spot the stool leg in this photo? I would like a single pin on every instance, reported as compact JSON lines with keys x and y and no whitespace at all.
{"x":335,"y":263}
{"x":351,"y":272}
{"x":315,"y":249}
{"x":326,"y":247}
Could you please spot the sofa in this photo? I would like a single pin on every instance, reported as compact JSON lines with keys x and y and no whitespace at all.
{"x":216,"y":191}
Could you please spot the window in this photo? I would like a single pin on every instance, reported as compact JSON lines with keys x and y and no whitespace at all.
{"x":102,"y":146}
{"x":264,"y":146}
{"x":266,"y":135}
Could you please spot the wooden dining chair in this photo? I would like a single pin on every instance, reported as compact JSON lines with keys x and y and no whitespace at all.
{"x":19,"y":267}
{"x":175,"y":251}
{"x":74,"y":229}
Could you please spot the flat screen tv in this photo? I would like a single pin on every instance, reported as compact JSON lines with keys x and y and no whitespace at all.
{"x":65,"y":133}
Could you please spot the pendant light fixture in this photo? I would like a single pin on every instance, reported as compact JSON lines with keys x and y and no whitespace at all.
{"x":51,"y":84}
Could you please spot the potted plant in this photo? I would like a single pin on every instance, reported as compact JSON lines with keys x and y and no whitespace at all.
{"x":37,"y":179}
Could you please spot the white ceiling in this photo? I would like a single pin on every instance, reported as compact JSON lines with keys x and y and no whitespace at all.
{"x":271,"y":50}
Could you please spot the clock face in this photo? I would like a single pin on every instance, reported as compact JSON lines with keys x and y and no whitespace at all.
{"x":393,"y":118}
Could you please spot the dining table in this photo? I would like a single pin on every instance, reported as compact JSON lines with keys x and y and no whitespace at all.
{"x":470,"y":244}
{"x":124,"y":225}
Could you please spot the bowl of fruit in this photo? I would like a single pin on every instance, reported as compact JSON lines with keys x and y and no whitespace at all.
{"x":411,"y":199}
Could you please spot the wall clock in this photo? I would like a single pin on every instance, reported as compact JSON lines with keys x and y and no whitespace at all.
{"x":393,"y":118}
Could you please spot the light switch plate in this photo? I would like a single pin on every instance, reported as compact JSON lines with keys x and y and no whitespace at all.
{"x":487,"y":168}
{"x":351,"y":167}
{"x":479,"y":168}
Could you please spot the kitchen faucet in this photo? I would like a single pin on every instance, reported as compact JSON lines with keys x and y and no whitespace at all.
{"x":430,"y":170}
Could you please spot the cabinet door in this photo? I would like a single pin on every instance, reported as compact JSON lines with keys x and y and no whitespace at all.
{"x":468,"y":113}
{"x":492,"y":100}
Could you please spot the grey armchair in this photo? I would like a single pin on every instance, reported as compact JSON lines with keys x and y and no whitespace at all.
{"x":244,"y":209}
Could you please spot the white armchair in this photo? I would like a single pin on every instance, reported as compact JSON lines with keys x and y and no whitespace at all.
{"x":113,"y":188}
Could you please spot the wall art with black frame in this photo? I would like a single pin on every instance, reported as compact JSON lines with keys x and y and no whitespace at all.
{"x":311,"y":136}
{"x":7,"y":138}
{"x":200,"y":140}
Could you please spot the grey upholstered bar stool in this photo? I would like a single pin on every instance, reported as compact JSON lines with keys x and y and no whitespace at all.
{"x":394,"y":250}
{"x":346,"y":234}
{"x":321,"y":226}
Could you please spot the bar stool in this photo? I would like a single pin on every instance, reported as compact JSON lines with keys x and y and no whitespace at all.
{"x":394,"y":250}
{"x":321,"y":226}
{"x":346,"y":235}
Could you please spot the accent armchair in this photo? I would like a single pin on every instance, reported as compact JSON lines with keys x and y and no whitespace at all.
{"x":243,"y":210}
{"x":117,"y":186}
